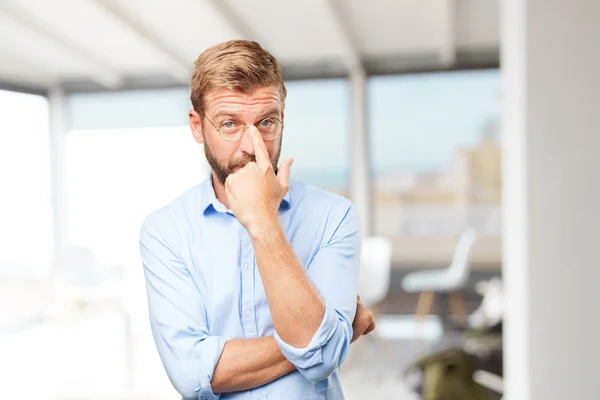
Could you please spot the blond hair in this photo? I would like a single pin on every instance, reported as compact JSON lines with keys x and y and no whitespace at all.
{"x":239,"y":65}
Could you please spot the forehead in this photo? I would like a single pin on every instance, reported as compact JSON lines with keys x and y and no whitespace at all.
{"x":236,"y":102}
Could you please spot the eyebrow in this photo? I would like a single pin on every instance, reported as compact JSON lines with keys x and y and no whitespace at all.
{"x":274,"y":110}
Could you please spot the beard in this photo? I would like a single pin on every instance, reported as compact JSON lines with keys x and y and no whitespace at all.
{"x":223,"y":171}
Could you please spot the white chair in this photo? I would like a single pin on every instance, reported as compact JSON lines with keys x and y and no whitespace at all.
{"x":450,"y":280}
{"x":375,"y":270}
{"x":491,"y":310}
{"x":373,"y":286}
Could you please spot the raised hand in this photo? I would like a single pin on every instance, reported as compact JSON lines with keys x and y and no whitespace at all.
{"x":254,"y":192}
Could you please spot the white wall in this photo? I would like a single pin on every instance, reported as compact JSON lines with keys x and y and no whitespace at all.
{"x":551,"y":61}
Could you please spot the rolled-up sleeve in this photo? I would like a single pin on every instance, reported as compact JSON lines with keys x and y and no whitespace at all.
{"x":177,"y":315}
{"x":334,"y":272}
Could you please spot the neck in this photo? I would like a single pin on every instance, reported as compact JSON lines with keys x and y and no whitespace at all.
{"x":219,"y":190}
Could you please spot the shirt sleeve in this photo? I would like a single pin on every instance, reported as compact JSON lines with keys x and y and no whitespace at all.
{"x":334,"y":272}
{"x":178,"y":316}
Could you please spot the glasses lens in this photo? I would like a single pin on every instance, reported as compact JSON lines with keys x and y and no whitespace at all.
{"x":269,"y":128}
{"x":231,"y":130}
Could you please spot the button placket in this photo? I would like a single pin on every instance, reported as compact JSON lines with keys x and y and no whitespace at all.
{"x":247,"y":296}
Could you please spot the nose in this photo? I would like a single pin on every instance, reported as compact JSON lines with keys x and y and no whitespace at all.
{"x":246,"y":144}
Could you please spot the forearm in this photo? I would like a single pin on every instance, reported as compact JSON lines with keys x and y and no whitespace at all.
{"x":249,"y":363}
{"x":296,"y":307}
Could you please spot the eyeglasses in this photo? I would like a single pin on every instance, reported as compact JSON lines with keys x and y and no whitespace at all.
{"x":231,"y":130}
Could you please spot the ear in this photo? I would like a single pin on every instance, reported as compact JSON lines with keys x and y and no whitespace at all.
{"x":196,"y":126}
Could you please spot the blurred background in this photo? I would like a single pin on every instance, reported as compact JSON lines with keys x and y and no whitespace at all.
{"x":399,"y":105}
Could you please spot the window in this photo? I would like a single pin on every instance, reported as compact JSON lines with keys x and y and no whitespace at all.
{"x":316,"y":133}
{"x":435,"y":156}
{"x":116,"y":177}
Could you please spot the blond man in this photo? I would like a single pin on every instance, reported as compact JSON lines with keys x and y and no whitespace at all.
{"x":251,"y":276}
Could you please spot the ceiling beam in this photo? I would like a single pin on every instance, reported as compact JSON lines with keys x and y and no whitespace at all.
{"x":448,"y":33}
{"x":235,"y":22}
{"x":416,"y":63}
{"x":99,"y":70}
{"x":338,"y":16}
{"x":22,"y":88}
{"x":179,"y":67}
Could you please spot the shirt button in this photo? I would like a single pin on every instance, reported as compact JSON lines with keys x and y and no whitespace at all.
{"x":246,"y":267}
{"x":248,"y":314}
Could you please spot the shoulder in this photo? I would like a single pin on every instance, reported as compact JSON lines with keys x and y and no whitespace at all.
{"x":172,"y":217}
{"x":331,"y":208}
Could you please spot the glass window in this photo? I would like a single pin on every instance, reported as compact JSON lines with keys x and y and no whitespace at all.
{"x":435,"y":156}
{"x":115,"y":178}
{"x":316,"y":133}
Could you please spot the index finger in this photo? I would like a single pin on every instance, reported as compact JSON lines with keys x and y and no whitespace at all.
{"x":260,"y":148}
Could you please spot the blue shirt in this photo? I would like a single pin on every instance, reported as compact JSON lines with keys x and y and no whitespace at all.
{"x":204,"y":288}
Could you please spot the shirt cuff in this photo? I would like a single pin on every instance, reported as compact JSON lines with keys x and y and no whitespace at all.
{"x":205,"y":391}
{"x":311,"y":355}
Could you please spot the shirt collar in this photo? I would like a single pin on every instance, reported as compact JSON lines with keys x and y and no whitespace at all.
{"x":209,"y":202}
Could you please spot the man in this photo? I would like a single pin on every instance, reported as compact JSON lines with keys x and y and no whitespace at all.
{"x":251,"y":277}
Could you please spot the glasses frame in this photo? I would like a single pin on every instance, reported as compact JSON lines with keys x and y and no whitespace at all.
{"x":245,"y":128}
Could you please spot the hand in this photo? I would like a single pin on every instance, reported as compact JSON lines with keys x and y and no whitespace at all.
{"x":363,"y":323}
{"x":254,"y":192}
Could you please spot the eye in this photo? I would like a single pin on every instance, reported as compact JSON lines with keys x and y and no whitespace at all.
{"x":266,"y":123}
{"x":230,"y":126}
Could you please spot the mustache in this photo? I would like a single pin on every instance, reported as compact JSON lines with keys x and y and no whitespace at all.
{"x":241,"y":162}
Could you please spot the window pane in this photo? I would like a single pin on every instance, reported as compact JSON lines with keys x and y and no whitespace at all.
{"x":436,"y":160}
{"x":26,"y":210}
{"x":316,"y":133}
{"x":115,"y":178}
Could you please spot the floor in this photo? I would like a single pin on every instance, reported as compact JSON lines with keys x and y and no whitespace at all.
{"x":375,"y":367}
{"x":72,"y":359}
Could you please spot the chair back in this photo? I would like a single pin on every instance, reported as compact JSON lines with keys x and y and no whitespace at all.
{"x":461,"y":265}
{"x":375,"y":270}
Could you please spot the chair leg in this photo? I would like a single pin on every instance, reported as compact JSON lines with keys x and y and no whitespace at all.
{"x":457,"y":305}
{"x":423,"y":309}
{"x":424,"y":304}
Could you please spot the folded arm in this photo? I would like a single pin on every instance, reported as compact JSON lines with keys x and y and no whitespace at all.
{"x":200,"y":366}
{"x":249,"y":363}
{"x":312,"y":309}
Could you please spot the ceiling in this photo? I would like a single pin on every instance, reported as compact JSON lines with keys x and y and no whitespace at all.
{"x":88,"y":45}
